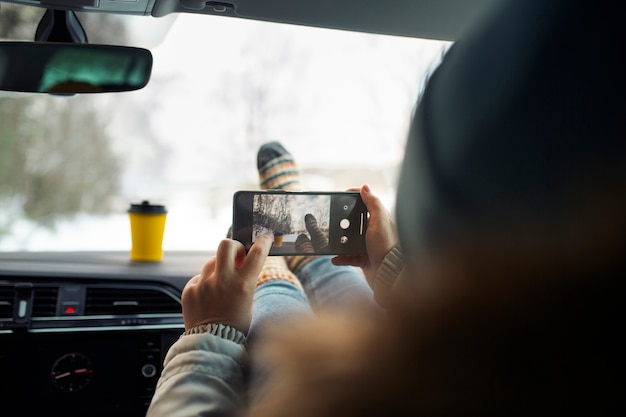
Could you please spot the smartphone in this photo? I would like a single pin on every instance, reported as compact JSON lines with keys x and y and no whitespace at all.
{"x":302,"y":223}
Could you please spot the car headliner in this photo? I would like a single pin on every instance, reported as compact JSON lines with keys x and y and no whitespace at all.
{"x":430,"y":19}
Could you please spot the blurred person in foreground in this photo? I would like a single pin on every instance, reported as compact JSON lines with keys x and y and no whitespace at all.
{"x":511,"y":216}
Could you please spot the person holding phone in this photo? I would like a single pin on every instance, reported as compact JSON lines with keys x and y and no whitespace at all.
{"x":238,"y":292}
{"x":333,"y":281}
{"x":511,"y":205}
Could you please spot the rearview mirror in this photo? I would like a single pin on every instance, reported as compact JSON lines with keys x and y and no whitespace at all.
{"x":70,"y":68}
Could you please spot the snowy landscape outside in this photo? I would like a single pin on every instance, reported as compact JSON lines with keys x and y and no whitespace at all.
{"x":340,"y":102}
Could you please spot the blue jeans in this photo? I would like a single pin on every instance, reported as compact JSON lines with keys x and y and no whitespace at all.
{"x":274,"y":300}
{"x":325,"y":285}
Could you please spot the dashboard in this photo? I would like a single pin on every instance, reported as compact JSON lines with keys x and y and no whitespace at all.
{"x":85,"y":334}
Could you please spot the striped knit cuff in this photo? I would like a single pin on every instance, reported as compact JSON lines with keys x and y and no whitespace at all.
{"x":275,"y":268}
{"x":390,"y":269}
{"x":221,"y":330}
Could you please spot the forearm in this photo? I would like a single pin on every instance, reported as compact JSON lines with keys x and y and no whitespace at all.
{"x":203,"y":375}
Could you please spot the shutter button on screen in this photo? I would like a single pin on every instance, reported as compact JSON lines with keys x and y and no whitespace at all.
{"x":344,"y":224}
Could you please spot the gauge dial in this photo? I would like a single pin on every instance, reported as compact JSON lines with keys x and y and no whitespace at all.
{"x":72,"y":372}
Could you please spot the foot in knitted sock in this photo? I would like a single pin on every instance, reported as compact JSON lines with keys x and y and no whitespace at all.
{"x":303,"y":244}
{"x":318,"y":239}
{"x":277,"y":168}
{"x":275,"y":268}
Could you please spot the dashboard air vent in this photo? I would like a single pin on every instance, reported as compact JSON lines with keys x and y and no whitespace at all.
{"x":115,"y":301}
{"x":7,"y":295}
{"x":44,"y":301}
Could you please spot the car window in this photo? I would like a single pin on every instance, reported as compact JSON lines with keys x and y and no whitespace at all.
{"x":71,"y":166}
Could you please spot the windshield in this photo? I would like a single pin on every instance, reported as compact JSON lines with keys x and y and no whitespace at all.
{"x":339,"y":101}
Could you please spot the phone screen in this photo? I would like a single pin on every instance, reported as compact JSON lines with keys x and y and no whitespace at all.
{"x":302,"y":223}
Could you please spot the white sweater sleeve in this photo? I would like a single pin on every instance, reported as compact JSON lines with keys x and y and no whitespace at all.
{"x":203,"y":375}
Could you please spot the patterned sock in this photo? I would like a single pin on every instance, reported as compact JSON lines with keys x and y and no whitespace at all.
{"x":275,"y":268}
{"x":278,"y":170}
{"x":304,"y":244}
{"x":318,"y":239}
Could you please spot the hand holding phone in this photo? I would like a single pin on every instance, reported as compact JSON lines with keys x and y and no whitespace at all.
{"x":302,"y":223}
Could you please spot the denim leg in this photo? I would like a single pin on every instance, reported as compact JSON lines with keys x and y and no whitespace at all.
{"x":328,"y":285}
{"x":273,"y":301}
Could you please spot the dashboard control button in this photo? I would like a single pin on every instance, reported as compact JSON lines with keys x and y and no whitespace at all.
{"x":148,"y":370}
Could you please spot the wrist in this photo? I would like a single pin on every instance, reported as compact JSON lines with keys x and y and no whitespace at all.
{"x":388,"y":272}
{"x":217,"y":329}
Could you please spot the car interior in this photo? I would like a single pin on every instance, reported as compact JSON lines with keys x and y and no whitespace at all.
{"x":97,"y":113}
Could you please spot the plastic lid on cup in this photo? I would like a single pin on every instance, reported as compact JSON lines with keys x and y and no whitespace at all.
{"x":146,"y":208}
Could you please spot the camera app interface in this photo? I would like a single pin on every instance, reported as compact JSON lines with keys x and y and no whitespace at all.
{"x":299,"y":223}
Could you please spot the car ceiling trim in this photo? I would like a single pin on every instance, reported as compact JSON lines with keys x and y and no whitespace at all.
{"x":431,"y":19}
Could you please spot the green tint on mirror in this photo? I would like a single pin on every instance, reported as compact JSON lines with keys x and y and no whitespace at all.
{"x":60,"y":68}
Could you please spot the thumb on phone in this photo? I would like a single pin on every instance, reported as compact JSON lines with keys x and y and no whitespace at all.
{"x":258,"y":252}
{"x":380,"y":236}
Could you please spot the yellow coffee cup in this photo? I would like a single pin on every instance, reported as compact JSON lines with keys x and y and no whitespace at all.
{"x":278,"y":239}
{"x":147,"y":225}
